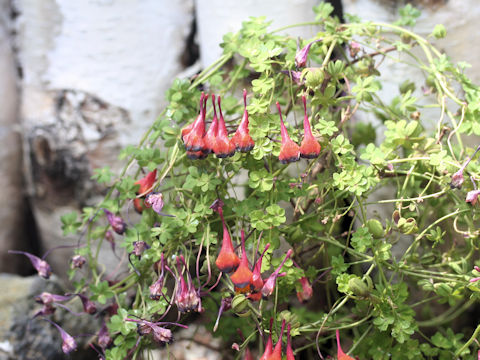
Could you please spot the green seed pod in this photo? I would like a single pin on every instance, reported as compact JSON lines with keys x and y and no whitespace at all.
{"x":314,"y":77}
{"x":407,"y":226}
{"x":239,"y":304}
{"x":358,"y":287}
{"x":375,"y":228}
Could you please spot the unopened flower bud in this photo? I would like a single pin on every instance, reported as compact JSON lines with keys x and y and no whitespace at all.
{"x":302,"y":55}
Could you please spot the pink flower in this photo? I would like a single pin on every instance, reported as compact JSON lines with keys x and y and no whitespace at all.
{"x":472,"y":196}
{"x":302,"y":55}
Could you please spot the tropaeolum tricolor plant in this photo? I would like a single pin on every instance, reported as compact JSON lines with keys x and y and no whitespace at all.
{"x":256,"y":220}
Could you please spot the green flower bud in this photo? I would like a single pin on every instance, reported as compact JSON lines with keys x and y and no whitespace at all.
{"x":375,"y":228}
{"x":239,"y":304}
{"x":358,"y":287}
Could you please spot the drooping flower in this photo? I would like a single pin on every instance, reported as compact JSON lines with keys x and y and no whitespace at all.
{"x":197,"y":155}
{"x":116,"y":222}
{"x":295,"y":75}
{"x":340,"y":354}
{"x":307,"y":291}
{"x":225,"y":305}
{"x":472,"y":196}
{"x":47,"y":298}
{"x":269,"y":345}
{"x":302,"y":55}
{"x":457,"y":178}
{"x":241,"y":139}
{"x":211,"y":135}
{"x":69,"y":343}
{"x":223,"y":146}
{"x":257,"y":281}
{"x":104,"y":339}
{"x":290,"y":355}
{"x":269,"y":284}
{"x":186,"y":296}
{"x":186,"y":130}
{"x":145,"y":186}
{"x":77,"y":261}
{"x":227,"y":260}
{"x":194,"y":138}
{"x":88,"y":305}
{"x":277,"y":351}
{"x":155,"y":200}
{"x":157,"y":287}
{"x":242,"y":277}
{"x":289,"y":151}
{"x":139,"y":247}
{"x":42,"y":267}
{"x":310,"y":148}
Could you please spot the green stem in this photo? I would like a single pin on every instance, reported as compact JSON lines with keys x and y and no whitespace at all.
{"x":471,"y":340}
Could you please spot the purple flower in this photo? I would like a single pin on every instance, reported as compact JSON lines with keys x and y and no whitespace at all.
{"x":155,"y":200}
{"x":116,"y":222}
{"x":77,"y":261}
{"x":225,"y":305}
{"x":47,"y":298}
{"x":296,"y":76}
{"x":69,"y":343}
{"x":46,"y":310}
{"x":104,"y":339}
{"x":269,"y":284}
{"x":42,"y":267}
{"x":157,"y":286}
{"x":457,"y":179}
{"x":139,"y":247}
{"x":88,"y":305}
{"x":472,"y":196}
{"x":162,"y":335}
{"x":302,"y":55}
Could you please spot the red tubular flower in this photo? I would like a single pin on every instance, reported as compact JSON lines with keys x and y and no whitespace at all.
{"x":277,"y":352}
{"x":227,"y":261}
{"x":241,"y":139}
{"x":290,"y":355}
{"x":248,"y":355}
{"x":211,"y":135}
{"x":257,"y":281}
{"x":310,"y":148}
{"x":145,"y":186}
{"x":194,"y":139}
{"x":340,"y":354}
{"x":196,"y":155}
{"x":242,"y":277}
{"x":289,"y":151}
{"x":186,"y":130}
{"x":269,"y":285}
{"x":307,"y":291}
{"x":269,"y":345}
{"x":223,"y":146}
